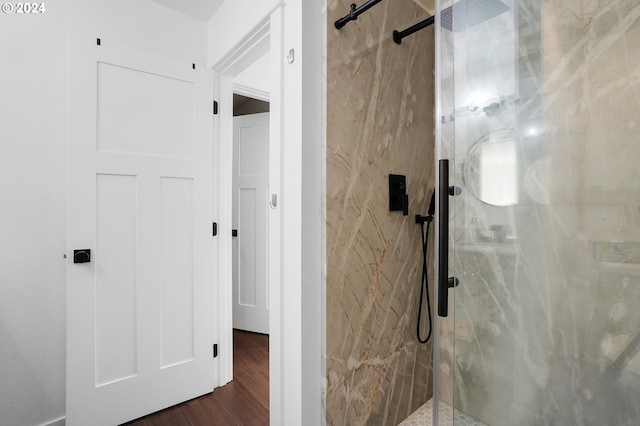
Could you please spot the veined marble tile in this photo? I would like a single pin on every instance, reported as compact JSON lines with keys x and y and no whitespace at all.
{"x":380,"y":121}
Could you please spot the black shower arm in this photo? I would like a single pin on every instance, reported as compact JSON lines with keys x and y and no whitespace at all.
{"x":354,"y":12}
{"x":399,"y":35}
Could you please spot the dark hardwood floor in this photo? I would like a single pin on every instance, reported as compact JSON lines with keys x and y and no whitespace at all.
{"x":244,"y":401}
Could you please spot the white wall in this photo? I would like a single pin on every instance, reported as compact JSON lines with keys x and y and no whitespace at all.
{"x":32,"y":219}
{"x":33,"y":97}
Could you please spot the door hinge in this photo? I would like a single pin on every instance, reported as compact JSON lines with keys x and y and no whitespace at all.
{"x":215,"y":107}
{"x":215,"y":350}
{"x":215,"y":229}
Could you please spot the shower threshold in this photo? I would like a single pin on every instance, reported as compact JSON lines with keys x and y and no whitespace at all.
{"x":448,"y":416}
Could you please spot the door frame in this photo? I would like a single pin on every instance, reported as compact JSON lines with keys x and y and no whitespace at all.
{"x":267,"y":36}
{"x":237,"y":60}
{"x":297,"y":177}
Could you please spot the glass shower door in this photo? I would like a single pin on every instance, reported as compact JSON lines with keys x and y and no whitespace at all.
{"x":537,"y":110}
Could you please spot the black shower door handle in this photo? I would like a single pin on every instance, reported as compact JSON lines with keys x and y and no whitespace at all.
{"x":444,"y":281}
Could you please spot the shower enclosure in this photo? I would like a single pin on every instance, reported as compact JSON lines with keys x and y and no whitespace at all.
{"x":538,"y":107}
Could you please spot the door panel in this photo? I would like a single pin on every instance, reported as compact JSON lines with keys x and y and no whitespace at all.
{"x":250,"y":181}
{"x":133,"y":102}
{"x":140,"y":314}
{"x":247,"y":262}
{"x":176,"y":269}
{"x":116,"y":284}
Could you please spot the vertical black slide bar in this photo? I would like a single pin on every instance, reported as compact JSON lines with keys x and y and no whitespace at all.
{"x":443,"y":239}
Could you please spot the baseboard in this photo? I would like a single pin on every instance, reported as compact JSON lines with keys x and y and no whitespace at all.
{"x":57,"y":422}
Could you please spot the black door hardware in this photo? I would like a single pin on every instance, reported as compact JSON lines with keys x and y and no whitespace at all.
{"x":444,"y":281}
{"x":82,"y":256}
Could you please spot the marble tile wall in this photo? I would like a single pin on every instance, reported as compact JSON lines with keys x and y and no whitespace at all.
{"x":380,"y":106}
{"x":547,"y":325}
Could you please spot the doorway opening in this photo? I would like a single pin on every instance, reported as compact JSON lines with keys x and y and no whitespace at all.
{"x":250,"y":214}
{"x":244,"y":105}
{"x":250,"y":220}
{"x":245,"y":135}
{"x":250,"y":236}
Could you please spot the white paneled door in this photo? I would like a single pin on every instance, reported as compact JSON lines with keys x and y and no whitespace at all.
{"x":140,"y":312}
{"x":250,"y":215}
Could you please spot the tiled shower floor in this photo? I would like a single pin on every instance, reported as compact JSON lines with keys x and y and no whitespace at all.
{"x":446,"y":414}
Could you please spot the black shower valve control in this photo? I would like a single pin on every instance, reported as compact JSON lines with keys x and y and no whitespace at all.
{"x":398,"y":198}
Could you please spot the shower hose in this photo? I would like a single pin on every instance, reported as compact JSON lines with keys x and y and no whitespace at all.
{"x":424,"y":282}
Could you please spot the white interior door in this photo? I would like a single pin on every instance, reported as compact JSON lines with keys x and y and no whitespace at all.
{"x":140,"y":313}
{"x":250,"y":217}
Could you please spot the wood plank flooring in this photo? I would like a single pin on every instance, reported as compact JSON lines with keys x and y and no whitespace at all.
{"x":244,"y":401}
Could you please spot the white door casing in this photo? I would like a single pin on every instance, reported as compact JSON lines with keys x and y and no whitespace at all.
{"x":257,"y":44}
{"x":140,"y":314}
{"x":250,"y":220}
{"x":236,"y":33}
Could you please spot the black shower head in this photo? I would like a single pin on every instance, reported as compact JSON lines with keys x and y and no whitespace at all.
{"x":468,"y":13}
